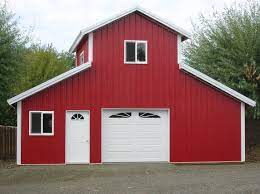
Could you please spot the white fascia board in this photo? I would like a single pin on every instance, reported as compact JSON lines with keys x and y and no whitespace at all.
{"x":118,"y":16}
{"x":217,"y":84}
{"x":48,"y":83}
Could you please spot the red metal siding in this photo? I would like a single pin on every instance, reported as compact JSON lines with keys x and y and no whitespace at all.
{"x":204,"y":122}
{"x":83,"y":46}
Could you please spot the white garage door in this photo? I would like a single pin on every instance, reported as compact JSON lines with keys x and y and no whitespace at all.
{"x":135,"y":135}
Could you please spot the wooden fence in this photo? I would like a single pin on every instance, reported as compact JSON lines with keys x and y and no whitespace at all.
{"x":7,"y":143}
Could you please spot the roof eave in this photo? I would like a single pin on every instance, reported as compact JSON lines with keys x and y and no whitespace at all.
{"x":218,"y":85}
{"x":48,"y":83}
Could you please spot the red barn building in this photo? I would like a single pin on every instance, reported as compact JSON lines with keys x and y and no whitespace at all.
{"x":129,"y":99}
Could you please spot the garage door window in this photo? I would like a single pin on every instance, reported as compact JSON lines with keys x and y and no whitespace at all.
{"x":41,"y":123}
{"x":148,"y":115}
{"x":121,"y":115}
{"x":77,"y":117}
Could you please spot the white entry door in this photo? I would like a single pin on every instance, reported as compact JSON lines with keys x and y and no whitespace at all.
{"x":130,"y":135}
{"x":77,"y":137}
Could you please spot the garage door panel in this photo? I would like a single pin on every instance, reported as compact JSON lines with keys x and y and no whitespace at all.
{"x":121,"y":148}
{"x":135,"y":138}
{"x":148,"y":142}
{"x":148,"y":148}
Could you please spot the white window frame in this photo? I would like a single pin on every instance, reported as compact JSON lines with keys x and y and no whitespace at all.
{"x":81,"y":55}
{"x":136,"y":42}
{"x":30,"y":123}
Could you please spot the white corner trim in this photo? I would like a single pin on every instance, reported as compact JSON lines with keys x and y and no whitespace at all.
{"x":217,"y":84}
{"x":48,"y":83}
{"x":90,"y":47}
{"x":122,"y":14}
{"x":179,"y":49}
{"x":18,"y":133}
{"x":243,"y":133}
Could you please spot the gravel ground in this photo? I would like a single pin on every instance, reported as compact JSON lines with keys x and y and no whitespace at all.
{"x":131,"y":178}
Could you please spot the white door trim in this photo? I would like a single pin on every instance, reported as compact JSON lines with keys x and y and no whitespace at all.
{"x":125,"y":108}
{"x":66,"y":146}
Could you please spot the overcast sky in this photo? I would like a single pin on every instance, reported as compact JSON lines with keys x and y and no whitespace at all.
{"x":59,"y":21}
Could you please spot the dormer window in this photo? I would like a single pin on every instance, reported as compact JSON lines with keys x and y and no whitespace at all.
{"x":81,"y":58}
{"x":135,"y":52}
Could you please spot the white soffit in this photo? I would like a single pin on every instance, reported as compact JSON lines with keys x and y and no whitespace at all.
{"x":118,"y":16}
{"x":48,"y":83}
{"x":218,"y":85}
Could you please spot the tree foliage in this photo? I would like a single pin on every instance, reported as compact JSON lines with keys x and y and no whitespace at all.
{"x":12,"y":44}
{"x":23,"y":66}
{"x":226,"y":46}
{"x":41,"y":63}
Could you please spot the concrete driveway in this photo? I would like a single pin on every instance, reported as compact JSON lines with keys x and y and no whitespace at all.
{"x":131,"y":178}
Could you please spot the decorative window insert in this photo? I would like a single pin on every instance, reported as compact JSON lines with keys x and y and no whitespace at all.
{"x":41,"y":122}
{"x":77,"y":116}
{"x":81,"y":58}
{"x":135,"y":52}
{"x":121,"y":115}
{"x":148,"y":115}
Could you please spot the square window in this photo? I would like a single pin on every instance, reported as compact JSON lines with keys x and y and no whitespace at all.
{"x":135,"y":52}
{"x":41,"y":123}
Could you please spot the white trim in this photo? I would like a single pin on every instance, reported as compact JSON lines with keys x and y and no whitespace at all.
{"x":48,"y":83}
{"x":19,"y":133}
{"x":42,"y":133}
{"x":76,"y":163}
{"x":168,"y":131}
{"x":118,"y":16}
{"x":66,"y":140}
{"x":179,"y":49}
{"x":136,"y":61}
{"x":90,"y":47}
{"x":243,"y":133}
{"x":81,"y":56}
{"x":217,"y":84}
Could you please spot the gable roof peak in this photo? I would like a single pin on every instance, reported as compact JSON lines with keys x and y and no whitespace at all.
{"x":138,"y":8}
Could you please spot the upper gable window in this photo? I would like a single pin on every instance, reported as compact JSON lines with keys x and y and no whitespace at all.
{"x":135,"y":52}
{"x":81,"y":58}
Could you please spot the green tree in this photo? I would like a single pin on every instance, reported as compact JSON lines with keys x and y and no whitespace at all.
{"x":23,"y":66}
{"x":226,"y":46}
{"x":41,"y":63}
{"x":12,"y":44}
